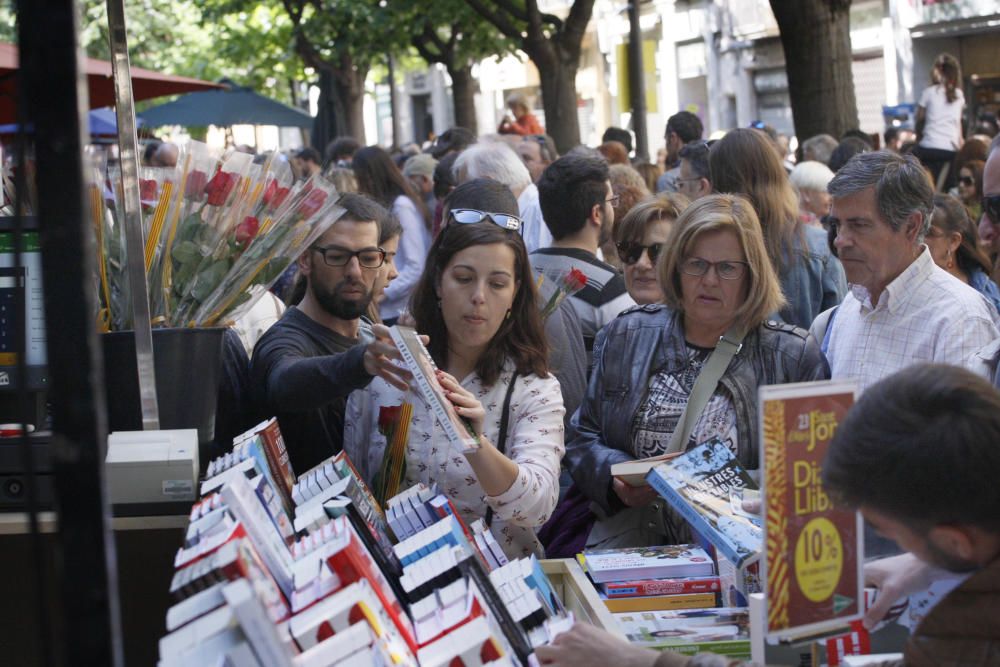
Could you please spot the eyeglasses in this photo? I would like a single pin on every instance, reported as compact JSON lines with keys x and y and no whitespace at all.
{"x":630,"y":254}
{"x":614,"y":200}
{"x":470,"y":216}
{"x":335,"y":255}
{"x":967,"y":181}
{"x":991,"y":207}
{"x":727,"y":269}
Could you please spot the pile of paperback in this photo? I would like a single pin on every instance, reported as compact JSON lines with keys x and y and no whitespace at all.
{"x":278,"y":571}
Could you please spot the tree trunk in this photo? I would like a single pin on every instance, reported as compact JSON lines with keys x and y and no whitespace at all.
{"x":463,"y":93}
{"x":557,"y":71}
{"x":330,"y":120}
{"x":349,"y":83}
{"x":816,"y":38}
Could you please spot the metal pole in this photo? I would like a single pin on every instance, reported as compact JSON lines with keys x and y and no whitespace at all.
{"x":637,"y":82}
{"x":88,"y":627}
{"x":129,"y":158}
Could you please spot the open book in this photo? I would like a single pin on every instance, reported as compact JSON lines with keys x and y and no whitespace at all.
{"x":458,"y":430}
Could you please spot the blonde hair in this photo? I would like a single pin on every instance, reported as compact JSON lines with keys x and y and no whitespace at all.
{"x":715,"y":213}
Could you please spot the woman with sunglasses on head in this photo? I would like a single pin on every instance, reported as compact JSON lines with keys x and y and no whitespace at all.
{"x":953,"y":241}
{"x":476,"y":302}
{"x":639,"y":238}
{"x":719,"y":289}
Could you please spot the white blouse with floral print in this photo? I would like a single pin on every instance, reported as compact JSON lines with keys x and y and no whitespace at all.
{"x":534,"y":443}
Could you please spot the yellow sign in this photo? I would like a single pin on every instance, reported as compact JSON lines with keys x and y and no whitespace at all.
{"x":648,"y":73}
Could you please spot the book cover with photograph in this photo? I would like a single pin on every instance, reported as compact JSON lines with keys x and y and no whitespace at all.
{"x":723,"y":630}
{"x":657,"y":562}
{"x":700,"y":485}
{"x":458,"y":430}
{"x":677,"y":586}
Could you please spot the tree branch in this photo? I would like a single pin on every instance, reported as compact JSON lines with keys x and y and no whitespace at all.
{"x":576,"y":23}
{"x":514,"y":10}
{"x":502,"y":22}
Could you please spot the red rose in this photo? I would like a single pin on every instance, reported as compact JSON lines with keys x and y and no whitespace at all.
{"x":576,"y":280}
{"x":147,"y":189}
{"x":279,"y":197}
{"x":312,"y":203}
{"x":195,"y":185}
{"x":388,"y":415}
{"x":247,"y":230}
{"x":272,"y":187}
{"x":219,"y":187}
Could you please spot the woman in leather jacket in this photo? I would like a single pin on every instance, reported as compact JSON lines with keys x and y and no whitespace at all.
{"x":717,"y":280}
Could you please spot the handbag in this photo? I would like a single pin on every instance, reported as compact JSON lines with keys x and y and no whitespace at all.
{"x":653,"y":524}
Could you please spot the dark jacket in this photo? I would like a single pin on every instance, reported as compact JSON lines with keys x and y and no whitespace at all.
{"x":813,"y":280}
{"x":646,"y":339}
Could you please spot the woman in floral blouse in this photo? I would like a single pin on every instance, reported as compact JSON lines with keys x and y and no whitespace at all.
{"x":476,"y":302}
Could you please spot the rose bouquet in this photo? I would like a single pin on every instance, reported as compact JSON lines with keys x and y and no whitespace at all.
{"x":218,"y":232}
{"x":553,"y":292}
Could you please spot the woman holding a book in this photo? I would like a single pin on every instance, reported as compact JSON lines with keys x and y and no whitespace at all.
{"x":476,"y":302}
{"x":667,"y":378}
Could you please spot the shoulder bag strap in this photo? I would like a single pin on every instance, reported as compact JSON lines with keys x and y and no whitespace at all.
{"x":502,"y":436}
{"x":730,"y":343}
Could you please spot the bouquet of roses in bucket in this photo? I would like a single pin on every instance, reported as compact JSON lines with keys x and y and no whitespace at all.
{"x":551,"y":293}
{"x":218,"y":232}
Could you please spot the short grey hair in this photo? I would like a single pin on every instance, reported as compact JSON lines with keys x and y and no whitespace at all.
{"x":811,"y":175}
{"x":819,"y":147}
{"x":902,"y":186}
{"x":495,"y":161}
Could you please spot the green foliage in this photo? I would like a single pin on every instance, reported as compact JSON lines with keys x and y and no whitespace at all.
{"x":449,"y":30}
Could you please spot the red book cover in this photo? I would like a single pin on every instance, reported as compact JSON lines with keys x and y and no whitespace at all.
{"x":644,"y":587}
{"x":277,"y":458}
{"x":353,"y":562}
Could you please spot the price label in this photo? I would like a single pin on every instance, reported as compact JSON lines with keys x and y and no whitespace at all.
{"x":819,"y":559}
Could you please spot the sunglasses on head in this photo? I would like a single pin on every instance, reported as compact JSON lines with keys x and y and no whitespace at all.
{"x":632,"y":253}
{"x":991,"y":208}
{"x":470,"y":216}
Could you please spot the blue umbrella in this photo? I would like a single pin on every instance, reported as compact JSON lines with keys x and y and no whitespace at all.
{"x":103,"y":122}
{"x":233,"y":106}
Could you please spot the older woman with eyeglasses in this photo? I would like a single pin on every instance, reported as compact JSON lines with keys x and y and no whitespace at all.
{"x":639,"y":238}
{"x":718,"y":285}
{"x":476,"y":301}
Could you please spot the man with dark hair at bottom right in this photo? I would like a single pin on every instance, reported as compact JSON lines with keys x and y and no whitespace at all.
{"x":917,"y":456}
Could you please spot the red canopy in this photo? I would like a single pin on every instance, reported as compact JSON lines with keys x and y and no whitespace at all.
{"x":100,"y":84}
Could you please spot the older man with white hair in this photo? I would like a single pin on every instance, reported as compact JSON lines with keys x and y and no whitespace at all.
{"x":810,"y":179}
{"x":496,"y":161}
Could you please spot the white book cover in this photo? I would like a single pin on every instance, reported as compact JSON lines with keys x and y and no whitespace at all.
{"x":658,"y":562}
{"x":420,"y":363}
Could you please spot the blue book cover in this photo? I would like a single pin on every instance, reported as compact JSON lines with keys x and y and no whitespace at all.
{"x":705,"y":485}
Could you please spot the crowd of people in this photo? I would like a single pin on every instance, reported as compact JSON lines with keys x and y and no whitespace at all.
{"x":850,"y":262}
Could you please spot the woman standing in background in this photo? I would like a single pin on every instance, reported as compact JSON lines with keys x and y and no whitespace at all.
{"x":939,"y":120}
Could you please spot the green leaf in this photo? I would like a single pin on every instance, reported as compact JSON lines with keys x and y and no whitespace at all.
{"x":186,"y":252}
{"x":206,"y":281}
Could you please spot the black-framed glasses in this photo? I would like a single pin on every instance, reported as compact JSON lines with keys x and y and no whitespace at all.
{"x":727,"y":269}
{"x":967,"y":181}
{"x":991,"y":207}
{"x":614,"y":200}
{"x":632,"y":253}
{"x":335,"y":255}
{"x":470,"y":216}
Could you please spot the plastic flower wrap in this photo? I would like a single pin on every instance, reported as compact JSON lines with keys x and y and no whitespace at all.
{"x":218,"y":232}
{"x":553,"y":292}
{"x":394,"y":423}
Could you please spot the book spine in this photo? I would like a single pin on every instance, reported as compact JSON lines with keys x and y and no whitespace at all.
{"x":660,"y":602}
{"x":277,"y":456}
{"x":697,"y":521}
{"x":628,"y":589}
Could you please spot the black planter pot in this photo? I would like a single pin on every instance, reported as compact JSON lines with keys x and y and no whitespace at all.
{"x":187,"y":363}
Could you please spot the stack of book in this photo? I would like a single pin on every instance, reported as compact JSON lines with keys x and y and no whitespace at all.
{"x":312,"y":572}
{"x":723,"y":630}
{"x":653,"y":578}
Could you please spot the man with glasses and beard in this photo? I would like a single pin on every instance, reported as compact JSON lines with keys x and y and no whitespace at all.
{"x":305,"y":365}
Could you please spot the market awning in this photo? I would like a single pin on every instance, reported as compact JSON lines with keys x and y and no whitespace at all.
{"x":234,"y":105}
{"x":146,"y":83}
